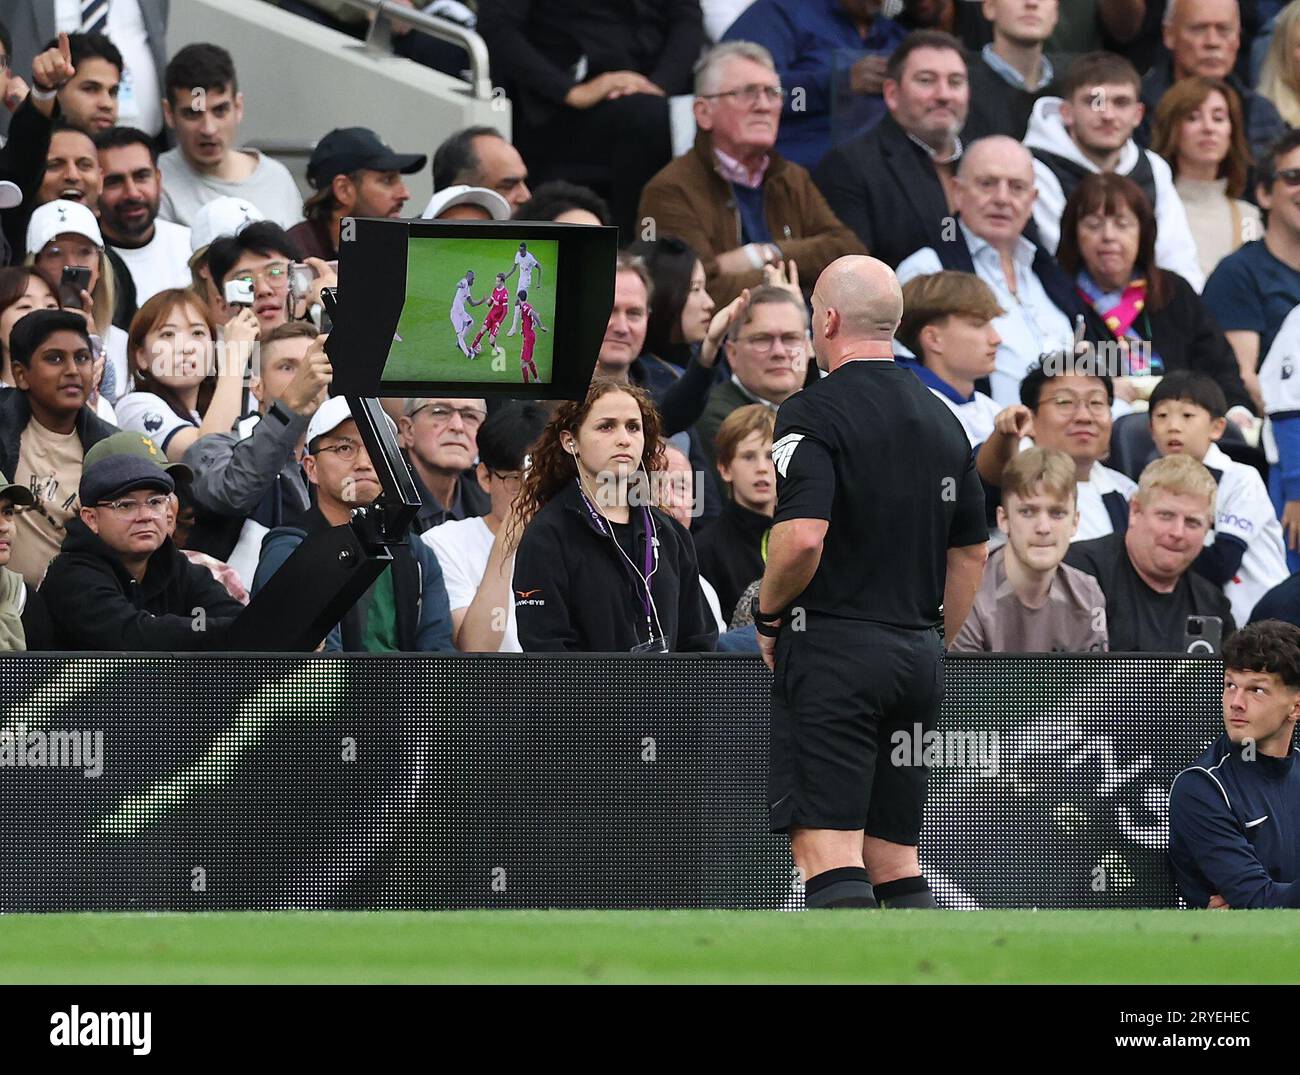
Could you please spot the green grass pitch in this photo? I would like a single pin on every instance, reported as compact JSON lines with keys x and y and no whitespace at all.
{"x":427,"y":350}
{"x":654,"y":947}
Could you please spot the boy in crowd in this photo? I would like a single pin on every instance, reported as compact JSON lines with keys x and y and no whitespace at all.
{"x":1234,"y":815}
{"x":46,"y":428}
{"x":120,"y":583}
{"x":730,"y":549}
{"x":1244,"y":552}
{"x":476,"y":553}
{"x":1029,"y":600}
{"x":948,"y":326}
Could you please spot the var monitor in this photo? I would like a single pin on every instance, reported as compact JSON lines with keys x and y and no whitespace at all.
{"x":470,"y":309}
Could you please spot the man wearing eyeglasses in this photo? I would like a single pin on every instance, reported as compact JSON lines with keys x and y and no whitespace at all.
{"x":406,"y":609}
{"x":768,"y":353}
{"x":119,"y":582}
{"x":439,"y":439}
{"x":733,"y":199}
{"x":835,"y":52}
{"x":1071,"y":413}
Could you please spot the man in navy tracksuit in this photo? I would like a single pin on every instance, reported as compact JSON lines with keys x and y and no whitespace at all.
{"x":1234,"y":816}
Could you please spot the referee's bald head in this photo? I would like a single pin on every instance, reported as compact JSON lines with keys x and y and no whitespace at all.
{"x":857,"y":305}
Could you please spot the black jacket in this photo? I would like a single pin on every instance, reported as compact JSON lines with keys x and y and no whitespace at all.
{"x":886,"y":188}
{"x":731,"y":553}
{"x":473,"y":499}
{"x":95,"y":604}
{"x":537,"y":46}
{"x":1185,"y":335}
{"x":574,"y":592}
{"x":998,"y":107}
{"x":16,"y":412}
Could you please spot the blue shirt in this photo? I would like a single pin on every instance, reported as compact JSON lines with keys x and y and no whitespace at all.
{"x":813,"y":43}
{"x":1234,"y":829}
{"x":1251,"y":291}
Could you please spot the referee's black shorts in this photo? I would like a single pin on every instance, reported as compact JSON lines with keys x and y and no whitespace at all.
{"x":842,"y":689}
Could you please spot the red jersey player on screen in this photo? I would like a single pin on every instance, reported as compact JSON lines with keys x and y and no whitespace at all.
{"x":529,"y":320}
{"x":500,"y":303}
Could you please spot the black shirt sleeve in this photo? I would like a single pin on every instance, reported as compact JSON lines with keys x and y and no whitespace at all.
{"x":969,"y":526}
{"x":805,"y":465}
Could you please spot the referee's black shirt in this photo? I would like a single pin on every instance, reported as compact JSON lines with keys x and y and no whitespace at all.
{"x":872,"y":450}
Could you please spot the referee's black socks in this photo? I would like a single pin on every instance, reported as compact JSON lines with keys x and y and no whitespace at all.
{"x":847,"y":886}
{"x":905,"y":892}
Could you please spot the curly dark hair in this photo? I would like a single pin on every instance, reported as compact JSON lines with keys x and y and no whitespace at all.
{"x":551,"y":467}
{"x":1266,"y":646}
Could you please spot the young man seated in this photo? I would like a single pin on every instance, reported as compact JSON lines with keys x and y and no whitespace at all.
{"x":1234,"y":815}
{"x":406,"y":609}
{"x":476,"y":554}
{"x":24,"y":622}
{"x":730,"y":549}
{"x":1029,"y":601}
{"x":46,"y":428}
{"x":948,"y":327}
{"x":1244,"y":552}
{"x":120,"y":583}
{"x":1145,"y":572}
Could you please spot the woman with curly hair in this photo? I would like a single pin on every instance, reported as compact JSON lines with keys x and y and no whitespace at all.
{"x":600,"y":567}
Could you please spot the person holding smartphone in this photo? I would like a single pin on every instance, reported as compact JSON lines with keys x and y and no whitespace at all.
{"x":65,"y":245}
{"x":600,"y":568}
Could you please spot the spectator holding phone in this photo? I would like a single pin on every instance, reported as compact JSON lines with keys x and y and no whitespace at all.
{"x":65,"y":244}
{"x":249,"y":479}
{"x":183,"y":389}
{"x":600,"y":570}
{"x":252,"y":268}
{"x":218,"y":219}
{"x":46,"y":428}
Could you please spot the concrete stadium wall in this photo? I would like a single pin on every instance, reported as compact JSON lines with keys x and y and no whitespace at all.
{"x":300,"y":79}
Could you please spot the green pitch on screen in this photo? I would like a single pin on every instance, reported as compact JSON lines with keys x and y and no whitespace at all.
{"x":654,"y":947}
{"x":427,"y":349}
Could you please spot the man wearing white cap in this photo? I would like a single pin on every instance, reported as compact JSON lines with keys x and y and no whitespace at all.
{"x":406,"y":610}
{"x":217,"y":219}
{"x":63,"y":234}
{"x":466,"y":203}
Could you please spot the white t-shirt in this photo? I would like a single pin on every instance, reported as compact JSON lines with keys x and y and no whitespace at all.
{"x":146,"y":413}
{"x":463,"y":547}
{"x":527,"y":263}
{"x":1243,"y":510}
{"x":115,"y":344}
{"x":162,"y":263}
{"x":976,"y":415}
{"x":1094,"y":519}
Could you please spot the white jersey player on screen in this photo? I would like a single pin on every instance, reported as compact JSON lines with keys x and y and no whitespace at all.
{"x":461,"y":319}
{"x":525,"y":265}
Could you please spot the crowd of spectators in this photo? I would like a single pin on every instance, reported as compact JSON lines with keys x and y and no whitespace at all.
{"x":1094,"y":209}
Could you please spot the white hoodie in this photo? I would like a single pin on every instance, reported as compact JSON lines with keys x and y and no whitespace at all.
{"x":1175,"y":247}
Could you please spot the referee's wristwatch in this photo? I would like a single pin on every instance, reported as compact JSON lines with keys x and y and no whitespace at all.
{"x":765,"y":623}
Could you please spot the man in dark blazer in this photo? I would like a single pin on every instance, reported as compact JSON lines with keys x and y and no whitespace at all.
{"x":32,"y":26}
{"x":893,"y":186}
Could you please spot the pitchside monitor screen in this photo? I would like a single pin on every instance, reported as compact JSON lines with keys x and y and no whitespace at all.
{"x":471,"y":309}
{"x":477,"y":310}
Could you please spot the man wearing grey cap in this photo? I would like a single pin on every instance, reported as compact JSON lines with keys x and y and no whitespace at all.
{"x":119,"y":582}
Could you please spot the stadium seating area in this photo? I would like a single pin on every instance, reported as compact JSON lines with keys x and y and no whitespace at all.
{"x":1093,"y":208}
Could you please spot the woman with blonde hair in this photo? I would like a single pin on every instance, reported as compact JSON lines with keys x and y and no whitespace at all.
{"x":1279,"y":78}
{"x":1200,"y":130}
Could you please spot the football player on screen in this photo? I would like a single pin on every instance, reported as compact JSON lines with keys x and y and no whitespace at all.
{"x":461,"y":319}
{"x":530,"y":322}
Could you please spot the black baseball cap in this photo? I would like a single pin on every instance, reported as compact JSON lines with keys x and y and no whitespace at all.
{"x":346,"y":149}
{"x":114,"y":475}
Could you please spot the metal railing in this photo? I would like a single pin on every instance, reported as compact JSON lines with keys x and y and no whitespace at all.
{"x":380,"y":38}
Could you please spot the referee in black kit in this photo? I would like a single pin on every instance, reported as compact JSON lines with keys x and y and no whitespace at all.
{"x":879,"y":519}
